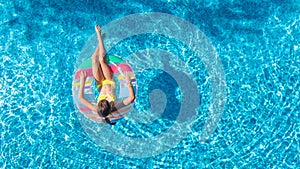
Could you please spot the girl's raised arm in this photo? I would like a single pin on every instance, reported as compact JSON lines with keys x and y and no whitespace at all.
{"x":81,"y":98}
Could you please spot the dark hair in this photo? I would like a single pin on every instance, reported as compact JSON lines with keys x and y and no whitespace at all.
{"x":104,"y":109}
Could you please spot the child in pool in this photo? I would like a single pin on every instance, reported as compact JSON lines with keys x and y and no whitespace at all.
{"x":106,"y":102}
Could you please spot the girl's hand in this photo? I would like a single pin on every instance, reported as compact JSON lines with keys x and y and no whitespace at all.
{"x":82,"y":77}
{"x":127,"y":77}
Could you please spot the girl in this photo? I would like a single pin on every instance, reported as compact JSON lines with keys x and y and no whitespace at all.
{"x":106,"y":102}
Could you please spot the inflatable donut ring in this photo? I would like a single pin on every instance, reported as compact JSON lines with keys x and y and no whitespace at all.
{"x":117,"y":66}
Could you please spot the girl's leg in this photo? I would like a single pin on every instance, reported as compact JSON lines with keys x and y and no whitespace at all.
{"x":96,"y":67}
{"x":106,"y":70}
{"x":102,"y":52}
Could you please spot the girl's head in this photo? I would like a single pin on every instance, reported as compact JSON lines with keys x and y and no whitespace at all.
{"x":104,"y":109}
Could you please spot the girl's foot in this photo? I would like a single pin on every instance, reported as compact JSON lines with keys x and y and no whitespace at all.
{"x":98,"y":31}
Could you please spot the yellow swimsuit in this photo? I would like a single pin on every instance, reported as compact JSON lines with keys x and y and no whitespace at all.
{"x":104,"y":96}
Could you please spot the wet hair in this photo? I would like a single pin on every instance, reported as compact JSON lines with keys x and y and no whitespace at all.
{"x":104,"y":109}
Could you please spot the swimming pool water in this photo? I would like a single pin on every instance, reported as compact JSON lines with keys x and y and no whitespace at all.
{"x":257,"y":43}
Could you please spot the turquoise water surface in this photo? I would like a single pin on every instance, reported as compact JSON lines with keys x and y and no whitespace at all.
{"x":258,"y":48}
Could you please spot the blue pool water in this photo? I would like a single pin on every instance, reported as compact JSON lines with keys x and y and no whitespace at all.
{"x":257,"y":44}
